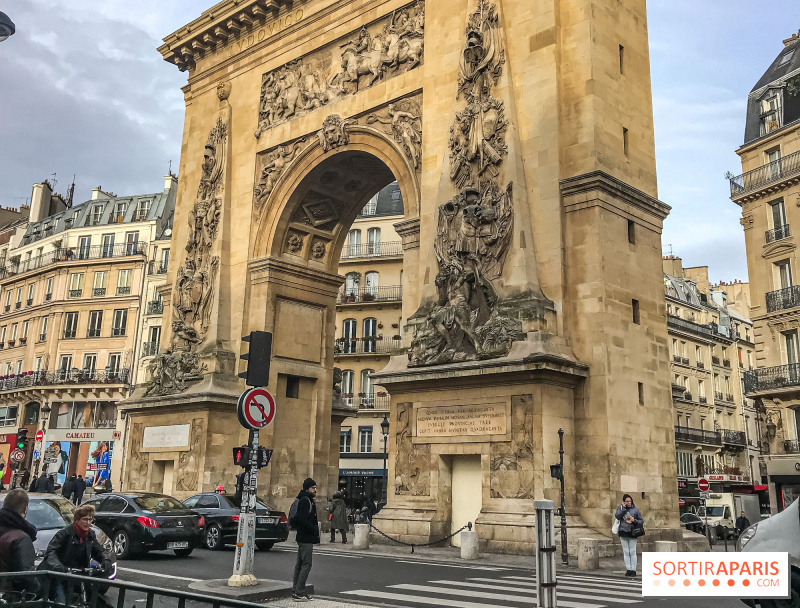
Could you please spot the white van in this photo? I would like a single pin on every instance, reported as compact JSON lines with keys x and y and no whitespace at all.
{"x":719,"y":510}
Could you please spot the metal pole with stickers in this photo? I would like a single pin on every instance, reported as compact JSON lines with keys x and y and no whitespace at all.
{"x":256,"y":410}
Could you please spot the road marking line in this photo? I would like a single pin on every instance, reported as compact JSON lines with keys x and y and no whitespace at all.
{"x":503,"y":596}
{"x":180,"y":578}
{"x":416,"y":599}
{"x":564,"y":587}
{"x":492,"y":568}
{"x":532,"y":581}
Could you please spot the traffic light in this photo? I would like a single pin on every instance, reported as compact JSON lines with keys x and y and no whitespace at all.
{"x":241,"y":456}
{"x":264,"y":456}
{"x":22,"y":439}
{"x":257,"y":372}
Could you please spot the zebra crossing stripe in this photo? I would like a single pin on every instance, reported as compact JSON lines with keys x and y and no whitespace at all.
{"x":417,"y":599}
{"x":516,"y":597}
{"x":616,"y":584}
{"x":566,"y":581}
{"x":441,"y":565}
{"x":561,"y":587}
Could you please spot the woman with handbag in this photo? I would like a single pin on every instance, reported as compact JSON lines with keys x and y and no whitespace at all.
{"x":631,"y":527}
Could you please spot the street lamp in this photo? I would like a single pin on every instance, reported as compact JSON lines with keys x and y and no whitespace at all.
{"x":6,"y":26}
{"x":385,"y":431}
{"x":45,"y":413}
{"x":557,"y":472}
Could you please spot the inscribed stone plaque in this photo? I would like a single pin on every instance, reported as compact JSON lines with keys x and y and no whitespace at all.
{"x":297,"y":331}
{"x":464,"y":420}
{"x":171,"y":436}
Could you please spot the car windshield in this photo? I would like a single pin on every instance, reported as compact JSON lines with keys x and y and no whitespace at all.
{"x":714,"y":511}
{"x":50,"y":513}
{"x":158,"y":504}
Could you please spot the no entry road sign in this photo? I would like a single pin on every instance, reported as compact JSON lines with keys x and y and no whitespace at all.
{"x":702,"y":485}
{"x":256,"y":409}
{"x":39,"y":435}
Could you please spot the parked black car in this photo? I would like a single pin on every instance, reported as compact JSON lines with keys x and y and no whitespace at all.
{"x":141,"y":522}
{"x":693,"y":523}
{"x":221,"y":512}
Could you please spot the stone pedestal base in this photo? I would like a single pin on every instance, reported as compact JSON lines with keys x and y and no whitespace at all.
{"x":361,"y":537}
{"x":469,"y":545}
{"x":242,"y":580}
{"x":588,"y":554}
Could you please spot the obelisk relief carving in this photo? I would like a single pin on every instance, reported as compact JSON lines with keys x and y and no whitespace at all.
{"x":474,"y":229}
{"x":196,"y":283}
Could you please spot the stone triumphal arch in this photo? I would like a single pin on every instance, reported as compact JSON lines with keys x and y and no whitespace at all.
{"x":520,"y":134}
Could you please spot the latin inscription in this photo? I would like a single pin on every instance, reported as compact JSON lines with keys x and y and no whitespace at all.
{"x":246,"y":41}
{"x":467,"y":420}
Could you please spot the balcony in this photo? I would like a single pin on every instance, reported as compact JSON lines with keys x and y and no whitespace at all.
{"x":18,"y":305}
{"x":149,"y":349}
{"x":123,"y":291}
{"x":776,"y":234}
{"x":729,"y":398}
{"x":98,"y":292}
{"x":154,"y":267}
{"x":117,"y":332}
{"x":70,"y":334}
{"x":155,"y":308}
{"x":368,"y":402}
{"x":69,"y":254}
{"x":48,"y":297}
{"x":42,"y":337}
{"x":703,"y":399}
{"x":93,"y":333}
{"x":368,"y":295}
{"x":772,"y":378}
{"x":62,"y":377}
{"x":75,"y":293}
{"x":726,"y":363}
{"x":701,"y":365}
{"x":676,"y":358}
{"x":683,"y":433}
{"x":714,"y":360}
{"x":366,"y":346}
{"x":29,"y":302}
{"x":372,"y":250}
{"x":733,"y":437}
{"x":791,"y":446}
{"x":765,"y":175}
{"x":783,"y":299}
{"x":690,"y":327}
{"x":718,"y":397}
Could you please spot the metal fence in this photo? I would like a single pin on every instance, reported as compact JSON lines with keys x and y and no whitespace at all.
{"x":366,"y":346}
{"x":733,"y":437}
{"x":372,"y":250}
{"x":155,"y":307}
{"x":683,"y":433}
{"x":368,"y":402}
{"x":68,"y":254}
{"x":764,"y":175}
{"x":770,"y":378}
{"x":690,"y":327}
{"x":782,"y":299}
{"x":63,"y":377}
{"x":791,"y":446}
{"x":776,"y":234}
{"x":392,"y":293}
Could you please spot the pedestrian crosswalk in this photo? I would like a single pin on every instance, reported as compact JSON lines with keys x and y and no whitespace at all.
{"x":574,"y":591}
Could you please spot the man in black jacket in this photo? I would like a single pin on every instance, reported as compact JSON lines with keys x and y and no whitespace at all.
{"x":16,"y":539}
{"x":307,"y":537}
{"x":742,"y":523}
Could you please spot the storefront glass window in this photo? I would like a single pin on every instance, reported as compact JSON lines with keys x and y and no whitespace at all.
{"x":105,"y":415}
{"x":62,"y":415}
{"x":8,"y":415}
{"x":82,"y":415}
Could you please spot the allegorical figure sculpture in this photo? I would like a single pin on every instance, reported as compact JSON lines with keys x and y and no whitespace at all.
{"x":405,"y":120}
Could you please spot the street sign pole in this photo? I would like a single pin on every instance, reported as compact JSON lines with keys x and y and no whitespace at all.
{"x":246,"y":535}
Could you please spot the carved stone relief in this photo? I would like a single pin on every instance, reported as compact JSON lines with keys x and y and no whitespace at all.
{"x":138,"y":461}
{"x":195,"y":284}
{"x":318,"y":249}
{"x":412,"y":462}
{"x":474,"y":229}
{"x":333,"y":133}
{"x":273,"y":167}
{"x":512,"y":462}
{"x":404,"y":122}
{"x":294,"y":243}
{"x":189,"y":461}
{"x":377,"y":52}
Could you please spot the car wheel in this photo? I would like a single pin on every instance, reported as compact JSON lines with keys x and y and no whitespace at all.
{"x":122,"y":545}
{"x":183,"y":552}
{"x":264,"y":545}
{"x":790,"y":602}
{"x":214,"y":538}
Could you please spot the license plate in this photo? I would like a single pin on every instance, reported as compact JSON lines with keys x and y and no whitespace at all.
{"x":268,"y":520}
{"x":184,"y":544}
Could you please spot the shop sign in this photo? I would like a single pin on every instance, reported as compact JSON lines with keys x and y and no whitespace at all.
{"x":361,"y":472}
{"x":81,"y":435}
{"x":735,"y":478}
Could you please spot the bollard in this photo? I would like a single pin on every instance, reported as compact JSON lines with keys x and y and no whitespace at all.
{"x":545,"y":554}
{"x":469,"y":545}
{"x":588,"y":554}
{"x":361,"y":538}
{"x":668,"y":546}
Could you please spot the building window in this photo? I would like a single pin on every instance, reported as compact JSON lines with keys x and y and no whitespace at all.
{"x":685,"y":464}
{"x":367,"y":388}
{"x":701,"y":389}
{"x":99,"y":283}
{"x":352,"y":282}
{"x":84,"y":247}
{"x":124,"y":282}
{"x":14,"y":328}
{"x":70,"y":325}
{"x":76,"y":285}
{"x":791,"y":345}
{"x":371,"y":207}
{"x":31,"y":292}
{"x":641,"y":393}
{"x":770,"y":114}
{"x":97,"y":214}
{"x":365,"y":439}
{"x":90,"y":365}
{"x":625,"y":141}
{"x":374,"y":241}
{"x":349,"y":332}
{"x":131,"y":243}
{"x":25,"y":326}
{"x":164,"y":260}
{"x":8,"y":300}
{"x":19,"y":297}
{"x":48,"y":292}
{"x":120,"y":322}
{"x":370,"y":331}
{"x":786,"y":58}
{"x":344,"y":441}
{"x":621,"y":58}
{"x":8,"y":415}
{"x":32,"y":413}
{"x":348,"y":386}
{"x":142,"y":209}
{"x":778,"y":212}
{"x":119,"y":212}
{"x":65,"y":367}
{"x":631,"y":232}
{"x":698,"y":355}
{"x":371,"y":285}
{"x":635,"y":307}
{"x":354,"y":243}
{"x":95,"y":323}
{"x":292,"y":387}
{"x":43,"y":332}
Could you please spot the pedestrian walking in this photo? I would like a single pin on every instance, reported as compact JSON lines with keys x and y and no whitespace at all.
{"x":25,"y":478}
{"x":338,"y":517}
{"x":32,"y":486}
{"x":742,"y":523}
{"x":631,"y":527}
{"x":79,"y":489}
{"x":305,"y":521}
{"x":17,"y":553}
{"x":68,"y":488}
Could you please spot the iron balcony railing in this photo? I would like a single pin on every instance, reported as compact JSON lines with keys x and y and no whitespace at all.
{"x":393,"y":293}
{"x":783,"y":299}
{"x":701,"y":365}
{"x":776,"y":234}
{"x":366,"y":346}
{"x":68,"y":254}
{"x":93,"y":332}
{"x":63,"y":377}
{"x":683,"y":433}
{"x":367,"y":402}
{"x":733,"y":437}
{"x":149,"y":349}
{"x":98,"y":292}
{"x":372,"y":250}
{"x":719,"y":396}
{"x":703,"y":399}
{"x":155,"y":308}
{"x":791,"y":446}
{"x":156,"y":267}
{"x":715,"y":360}
{"x":75,"y":293}
{"x":690,"y":327}
{"x":726,"y":362}
{"x":123,"y":291}
{"x":771,"y":378}
{"x":29,"y":302}
{"x":765,"y":175}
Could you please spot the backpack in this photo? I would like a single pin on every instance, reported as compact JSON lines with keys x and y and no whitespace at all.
{"x":294,"y":520}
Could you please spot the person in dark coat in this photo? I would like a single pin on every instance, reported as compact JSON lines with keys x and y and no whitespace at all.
{"x":25,"y":478}
{"x":32,"y":486}
{"x":17,"y":553}
{"x":68,"y":488}
{"x":629,"y":518}
{"x":338,"y":512}
{"x":49,"y":484}
{"x":79,"y":489}
{"x":307,"y":537}
{"x":742,"y":523}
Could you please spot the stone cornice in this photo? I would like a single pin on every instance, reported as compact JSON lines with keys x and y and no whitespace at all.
{"x":408,"y":230}
{"x":573,"y":187}
{"x":270,"y":268}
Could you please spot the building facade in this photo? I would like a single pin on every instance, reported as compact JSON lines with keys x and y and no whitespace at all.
{"x":767,"y":192}
{"x":70,"y":301}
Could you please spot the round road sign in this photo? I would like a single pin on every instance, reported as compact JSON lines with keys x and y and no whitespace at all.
{"x":702,"y":485}
{"x":256,"y":409}
{"x":17,"y":455}
{"x":39,"y":435}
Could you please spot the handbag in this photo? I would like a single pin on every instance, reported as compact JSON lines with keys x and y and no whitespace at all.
{"x":615,"y":526}
{"x":330,"y":517}
{"x":637,"y":531}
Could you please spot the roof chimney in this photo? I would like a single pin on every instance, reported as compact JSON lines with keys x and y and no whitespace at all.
{"x":794,"y":38}
{"x":40,"y":201}
{"x":170,"y":181}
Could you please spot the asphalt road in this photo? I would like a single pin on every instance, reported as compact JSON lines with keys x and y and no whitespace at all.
{"x":405,"y":580}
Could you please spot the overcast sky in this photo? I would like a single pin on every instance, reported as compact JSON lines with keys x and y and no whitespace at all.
{"x":83,"y":91}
